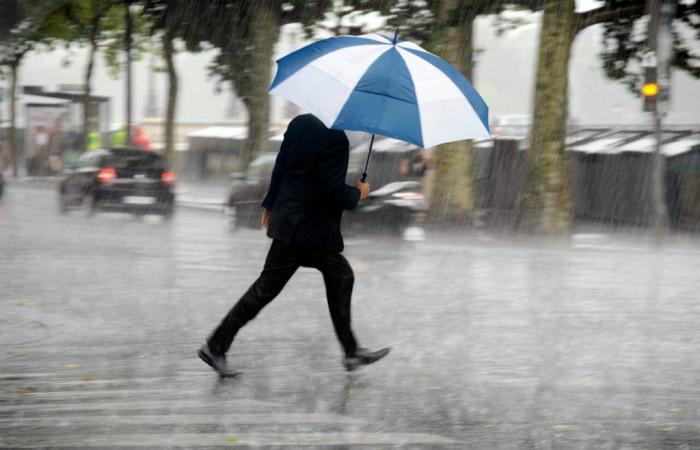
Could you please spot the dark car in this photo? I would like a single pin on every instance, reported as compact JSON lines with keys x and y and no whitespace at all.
{"x":248,"y":190}
{"x":126,"y":180}
{"x":396,"y":197}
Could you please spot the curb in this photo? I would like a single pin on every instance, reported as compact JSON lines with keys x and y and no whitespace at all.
{"x":202,"y":206}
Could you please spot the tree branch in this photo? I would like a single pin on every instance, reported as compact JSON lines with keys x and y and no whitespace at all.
{"x":608,"y":14}
{"x":529,"y":4}
{"x":72,"y":17}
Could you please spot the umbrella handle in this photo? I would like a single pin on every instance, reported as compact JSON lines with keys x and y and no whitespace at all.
{"x":364,"y":174}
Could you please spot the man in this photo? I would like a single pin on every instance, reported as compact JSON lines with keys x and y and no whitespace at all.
{"x":140,"y":139}
{"x":119,"y":138}
{"x":94,"y":140}
{"x":302,"y":212}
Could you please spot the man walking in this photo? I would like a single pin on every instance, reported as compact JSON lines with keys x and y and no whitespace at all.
{"x":302,"y":213}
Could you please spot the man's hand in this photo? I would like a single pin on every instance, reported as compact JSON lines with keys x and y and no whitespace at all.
{"x":265,"y":219}
{"x":363,"y":186}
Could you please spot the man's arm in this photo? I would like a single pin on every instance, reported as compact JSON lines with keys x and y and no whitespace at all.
{"x":277,"y":175}
{"x":334,"y":168}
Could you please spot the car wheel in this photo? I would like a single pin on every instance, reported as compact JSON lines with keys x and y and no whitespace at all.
{"x":168,"y":213}
{"x":90,"y":205}
{"x":231,"y":219}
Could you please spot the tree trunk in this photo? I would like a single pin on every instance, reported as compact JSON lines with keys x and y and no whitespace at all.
{"x":265,"y":32}
{"x":453,"y":191}
{"x":545,"y":204}
{"x":127,"y":48}
{"x":168,"y":54}
{"x":14,"y":141}
{"x":88,"y":87}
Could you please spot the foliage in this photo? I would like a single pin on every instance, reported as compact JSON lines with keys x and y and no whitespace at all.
{"x":229,"y":26}
{"x":418,"y":20}
{"x":21,"y":27}
{"x":625,"y":43}
{"x":115,"y":33}
{"x":187,"y":19}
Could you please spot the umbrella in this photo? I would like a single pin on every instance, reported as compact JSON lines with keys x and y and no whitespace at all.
{"x":383,"y":86}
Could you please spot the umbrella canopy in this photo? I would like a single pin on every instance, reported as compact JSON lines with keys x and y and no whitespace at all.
{"x":379,"y":85}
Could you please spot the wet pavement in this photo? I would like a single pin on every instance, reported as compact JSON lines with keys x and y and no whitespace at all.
{"x":498,"y":343}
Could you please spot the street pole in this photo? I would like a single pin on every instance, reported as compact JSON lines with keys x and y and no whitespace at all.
{"x":659,"y":215}
{"x":2,"y":107}
{"x":127,"y":45}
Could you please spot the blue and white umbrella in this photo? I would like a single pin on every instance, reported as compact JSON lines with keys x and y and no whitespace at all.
{"x":382,"y":86}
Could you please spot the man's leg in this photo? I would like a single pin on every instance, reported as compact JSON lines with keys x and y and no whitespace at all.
{"x":280,"y":265}
{"x":339,"y":280}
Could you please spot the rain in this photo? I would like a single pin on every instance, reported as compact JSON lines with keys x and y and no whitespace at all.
{"x":522,"y":257}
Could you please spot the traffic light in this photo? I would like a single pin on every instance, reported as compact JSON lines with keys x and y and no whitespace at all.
{"x":650,"y":89}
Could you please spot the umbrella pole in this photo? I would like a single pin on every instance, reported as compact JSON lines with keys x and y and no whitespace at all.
{"x":364,"y":174}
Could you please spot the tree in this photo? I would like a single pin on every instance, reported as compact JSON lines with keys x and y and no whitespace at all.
{"x":624,"y":53}
{"x":245,"y":33}
{"x":625,"y":44}
{"x":171,"y":20}
{"x":164,"y":16}
{"x":546,"y":195}
{"x":82,"y":21}
{"x":447,"y":28}
{"x":453,"y":194}
{"x":545,"y":204}
{"x":20,"y":24}
{"x":128,"y":44}
{"x":129,"y":36}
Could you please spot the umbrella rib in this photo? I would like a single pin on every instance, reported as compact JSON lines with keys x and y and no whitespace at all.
{"x":387,"y":96}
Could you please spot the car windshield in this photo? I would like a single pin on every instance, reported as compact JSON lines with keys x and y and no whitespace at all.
{"x":131,"y":160}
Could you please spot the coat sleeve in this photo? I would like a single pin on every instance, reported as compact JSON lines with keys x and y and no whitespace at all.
{"x":333,"y":168}
{"x":277,"y":175}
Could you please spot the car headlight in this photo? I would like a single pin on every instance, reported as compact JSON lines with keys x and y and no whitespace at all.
{"x":408,"y":195}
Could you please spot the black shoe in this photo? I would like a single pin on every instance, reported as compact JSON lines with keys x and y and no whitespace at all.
{"x":216,"y":361}
{"x":363,"y":357}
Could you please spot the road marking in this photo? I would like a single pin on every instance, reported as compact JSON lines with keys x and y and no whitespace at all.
{"x":200,"y":392}
{"x":220,"y":439}
{"x":140,"y":404}
{"x":56,"y":385}
{"x":98,"y":372}
{"x":189,"y":419}
{"x":205,"y":267}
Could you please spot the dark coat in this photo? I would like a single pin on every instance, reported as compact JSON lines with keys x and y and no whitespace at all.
{"x":307,"y":193}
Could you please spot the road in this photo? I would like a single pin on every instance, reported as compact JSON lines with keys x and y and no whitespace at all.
{"x":498,"y":342}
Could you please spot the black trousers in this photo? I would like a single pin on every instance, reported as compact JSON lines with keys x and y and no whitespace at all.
{"x":281,"y":263}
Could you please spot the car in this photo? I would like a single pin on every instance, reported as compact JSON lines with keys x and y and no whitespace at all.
{"x":511,"y":125}
{"x":248,"y":189}
{"x":395,"y":201}
{"x":125,"y":180}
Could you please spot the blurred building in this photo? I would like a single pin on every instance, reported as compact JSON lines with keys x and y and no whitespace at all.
{"x":53,"y":125}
